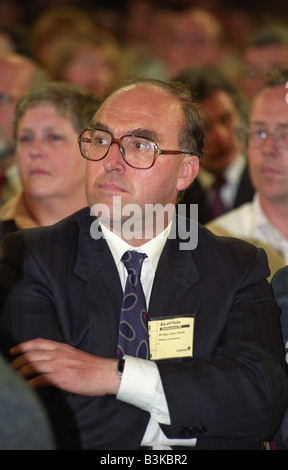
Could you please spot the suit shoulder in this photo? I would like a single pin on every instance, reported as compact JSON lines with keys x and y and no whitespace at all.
{"x":228,"y":248}
{"x":223,"y":241}
{"x":205,"y":240}
{"x":229,"y":252}
{"x":6,"y":227}
{"x":60,"y":234}
{"x":69,"y":224}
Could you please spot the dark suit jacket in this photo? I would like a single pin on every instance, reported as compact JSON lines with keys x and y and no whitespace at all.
{"x":279,"y":284}
{"x":6,"y":227}
{"x":60,"y":283}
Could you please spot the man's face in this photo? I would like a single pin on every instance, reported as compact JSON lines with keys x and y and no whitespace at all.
{"x":222,"y":144}
{"x":258,"y":61}
{"x":268,"y":161}
{"x":140,"y":109}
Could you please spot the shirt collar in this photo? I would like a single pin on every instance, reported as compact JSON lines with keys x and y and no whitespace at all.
{"x":153,"y":248}
{"x":235,"y":168}
{"x":259,"y":218}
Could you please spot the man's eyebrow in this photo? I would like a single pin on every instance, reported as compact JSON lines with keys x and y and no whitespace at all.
{"x":280,"y":125}
{"x":146,"y":133}
{"x":258,"y":123}
{"x":139,"y":131}
{"x":99,"y":125}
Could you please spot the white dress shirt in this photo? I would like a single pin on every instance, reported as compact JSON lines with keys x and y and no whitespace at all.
{"x":250,"y":222}
{"x":141,"y":384}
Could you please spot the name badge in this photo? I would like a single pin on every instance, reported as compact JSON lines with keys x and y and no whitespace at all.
{"x":171,"y":337}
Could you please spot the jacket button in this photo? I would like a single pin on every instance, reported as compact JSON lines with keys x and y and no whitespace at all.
{"x":192,"y":431}
{"x":202,"y":430}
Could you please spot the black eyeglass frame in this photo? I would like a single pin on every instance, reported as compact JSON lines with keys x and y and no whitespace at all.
{"x":157,"y":151}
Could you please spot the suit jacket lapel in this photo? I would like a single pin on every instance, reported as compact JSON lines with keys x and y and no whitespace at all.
{"x":96,"y":270}
{"x":175,"y":276}
{"x":100,"y":292}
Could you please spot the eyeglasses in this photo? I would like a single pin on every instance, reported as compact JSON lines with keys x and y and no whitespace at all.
{"x":137,"y":152}
{"x":257,"y":137}
{"x":252,"y":71}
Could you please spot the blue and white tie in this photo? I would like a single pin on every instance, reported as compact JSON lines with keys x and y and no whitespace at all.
{"x":133,"y":329}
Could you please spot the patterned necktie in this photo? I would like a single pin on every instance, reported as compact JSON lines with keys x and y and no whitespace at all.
{"x":133,"y":329}
{"x":217,"y":206}
{"x":3,"y":180}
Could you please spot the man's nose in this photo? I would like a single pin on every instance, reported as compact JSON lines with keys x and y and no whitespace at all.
{"x":269,"y":145}
{"x":114,"y":159}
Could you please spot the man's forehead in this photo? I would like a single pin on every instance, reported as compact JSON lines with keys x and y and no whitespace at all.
{"x":270,"y":106}
{"x":140,"y":102}
{"x":143,"y":95}
{"x":271,"y":96}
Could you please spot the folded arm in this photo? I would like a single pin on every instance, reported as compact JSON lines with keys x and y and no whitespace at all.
{"x":44,"y":363}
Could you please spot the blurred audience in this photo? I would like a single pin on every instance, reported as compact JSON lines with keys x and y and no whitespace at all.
{"x":238,"y":24}
{"x":12,"y":10}
{"x":92,"y":60}
{"x":53,"y":25}
{"x":175,"y":39}
{"x":197,"y":40}
{"x":223,"y":180}
{"x":18,"y":74}
{"x":178,"y":39}
{"x":14,"y":37}
{"x":48,"y":121}
{"x":264,"y":221}
{"x":265,"y":53}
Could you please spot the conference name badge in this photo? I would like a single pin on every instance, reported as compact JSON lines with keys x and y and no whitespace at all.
{"x":171,"y":337}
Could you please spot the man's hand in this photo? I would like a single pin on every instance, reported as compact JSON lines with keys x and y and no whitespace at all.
{"x":48,"y":363}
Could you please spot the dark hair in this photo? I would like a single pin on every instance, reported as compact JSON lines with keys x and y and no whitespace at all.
{"x":267,"y":35}
{"x":73,"y":102}
{"x":205,"y":81}
{"x":276,"y":78}
{"x":193,"y":132}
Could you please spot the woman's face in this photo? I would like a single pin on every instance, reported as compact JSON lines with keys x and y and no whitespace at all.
{"x":47,"y":154}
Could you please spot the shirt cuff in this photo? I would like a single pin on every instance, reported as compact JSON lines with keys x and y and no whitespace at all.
{"x":141,"y":386}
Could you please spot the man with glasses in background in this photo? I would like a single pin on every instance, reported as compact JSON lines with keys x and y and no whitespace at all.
{"x":211,"y":372}
{"x":264,"y":221}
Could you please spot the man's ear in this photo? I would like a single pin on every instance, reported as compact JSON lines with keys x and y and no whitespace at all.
{"x":190,"y":168}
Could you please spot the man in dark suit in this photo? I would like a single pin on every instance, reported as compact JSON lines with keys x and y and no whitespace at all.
{"x":216,"y":377}
{"x":223,"y":181}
